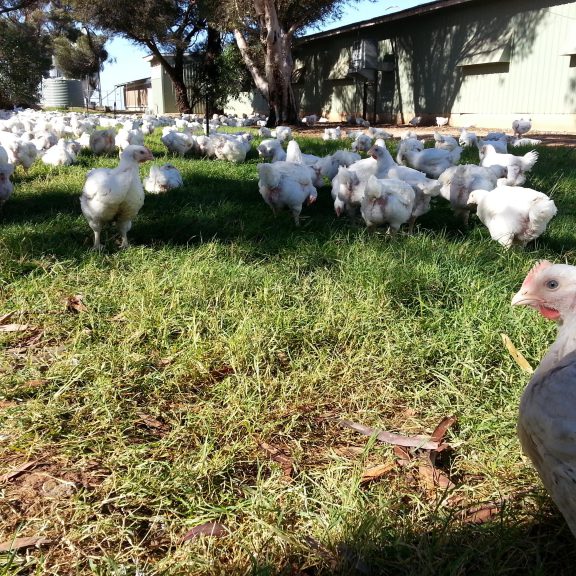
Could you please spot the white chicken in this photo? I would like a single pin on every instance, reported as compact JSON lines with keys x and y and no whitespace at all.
{"x":162,"y":178}
{"x":546,"y":424}
{"x":362,"y":143}
{"x":387,"y":201}
{"x":445,"y":141}
{"x":59,"y":155}
{"x":517,"y":142}
{"x":271,"y":149}
{"x":316,"y":163}
{"x":332,"y":133}
{"x":467,"y":138}
{"x":442,"y":121}
{"x":512,"y":168}
{"x":458,"y":181}
{"x":127,"y":136}
{"x":521,"y":125}
{"x":6,"y":186}
{"x":115,"y":194}
{"x":282,"y":133}
{"x":374,"y":132}
{"x":347,"y":192}
{"x":431,"y":161}
{"x":424,"y":190}
{"x":286,"y":185}
{"x":513,"y":215}
{"x":499,"y":145}
{"x":231,"y":149}
{"x":103,"y":141}
{"x":178,"y":142}
{"x":20,"y":152}
{"x":3,"y":155}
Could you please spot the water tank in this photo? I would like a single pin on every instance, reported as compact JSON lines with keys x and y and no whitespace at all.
{"x":62,"y":93}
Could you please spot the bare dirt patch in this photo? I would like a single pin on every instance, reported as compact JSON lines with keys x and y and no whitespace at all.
{"x":427,"y":132}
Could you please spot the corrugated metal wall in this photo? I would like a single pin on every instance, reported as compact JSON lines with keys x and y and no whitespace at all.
{"x":479,"y":61}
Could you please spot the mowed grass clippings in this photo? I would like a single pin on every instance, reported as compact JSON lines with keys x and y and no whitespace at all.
{"x":175,"y":406}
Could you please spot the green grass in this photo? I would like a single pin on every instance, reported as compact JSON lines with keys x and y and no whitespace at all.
{"x":222,"y":328}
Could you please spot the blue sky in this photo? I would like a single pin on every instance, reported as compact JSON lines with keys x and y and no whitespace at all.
{"x":130,"y":65}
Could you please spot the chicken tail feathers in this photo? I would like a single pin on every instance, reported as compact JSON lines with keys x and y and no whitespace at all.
{"x":540,"y":213}
{"x":529,"y":159}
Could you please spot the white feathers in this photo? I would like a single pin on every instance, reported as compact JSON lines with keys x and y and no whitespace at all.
{"x":162,"y":178}
{"x":513,"y":215}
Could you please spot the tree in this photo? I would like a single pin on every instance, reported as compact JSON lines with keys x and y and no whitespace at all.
{"x":168,"y":28}
{"x":25,"y":57}
{"x":82,"y":59}
{"x":264,"y":31}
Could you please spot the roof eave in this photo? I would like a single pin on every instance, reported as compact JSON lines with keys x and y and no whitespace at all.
{"x":408,"y":13}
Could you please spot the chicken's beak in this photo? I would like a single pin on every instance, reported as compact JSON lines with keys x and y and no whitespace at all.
{"x":521,"y":298}
{"x":148,"y":156}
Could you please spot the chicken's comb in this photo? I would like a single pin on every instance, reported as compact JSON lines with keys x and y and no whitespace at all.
{"x":539,"y":266}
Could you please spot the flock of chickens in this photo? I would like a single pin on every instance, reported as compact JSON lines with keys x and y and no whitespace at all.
{"x":383,"y":190}
{"x":387,"y":191}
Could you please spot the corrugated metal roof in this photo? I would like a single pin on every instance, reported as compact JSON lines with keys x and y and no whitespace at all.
{"x":425,"y":9}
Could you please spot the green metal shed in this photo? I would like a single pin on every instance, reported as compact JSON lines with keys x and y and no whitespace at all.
{"x":479,"y":62}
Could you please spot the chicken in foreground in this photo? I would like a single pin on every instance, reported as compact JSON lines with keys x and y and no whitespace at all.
{"x":6,"y":186}
{"x":546,"y":420}
{"x":387,"y":201}
{"x":115,"y":194}
{"x":286,"y":185}
{"x":513,"y":215}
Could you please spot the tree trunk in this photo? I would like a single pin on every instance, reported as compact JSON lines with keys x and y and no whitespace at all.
{"x":213,"y":51}
{"x":275,"y":81}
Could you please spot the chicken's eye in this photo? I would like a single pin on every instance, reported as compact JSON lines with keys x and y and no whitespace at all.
{"x":552,"y":284}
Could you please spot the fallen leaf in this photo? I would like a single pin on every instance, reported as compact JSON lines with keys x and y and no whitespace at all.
{"x":278,"y":456}
{"x":14,"y":327}
{"x":75,"y":304}
{"x":207,"y":529}
{"x":5,"y":317}
{"x":424,"y":442}
{"x":19,"y":543}
{"x":480,"y":514}
{"x":18,"y":470}
{"x":7,"y":404}
{"x":119,"y":318}
{"x":442,"y":427}
{"x":432,"y":478}
{"x":35,"y":383}
{"x":221,"y":372}
{"x":151,"y":422}
{"x":404,"y":457}
{"x":376,"y":472}
{"x":516,"y":354}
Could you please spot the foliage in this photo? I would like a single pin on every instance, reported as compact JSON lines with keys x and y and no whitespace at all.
{"x":168,"y":28}
{"x":83,"y":57}
{"x":24,"y":60}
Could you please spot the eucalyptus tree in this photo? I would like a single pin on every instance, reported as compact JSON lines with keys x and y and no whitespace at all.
{"x":168,"y":28}
{"x":265,"y":31}
{"x":25,"y":53}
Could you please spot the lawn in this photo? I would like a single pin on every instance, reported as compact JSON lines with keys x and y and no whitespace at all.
{"x":199,"y":380}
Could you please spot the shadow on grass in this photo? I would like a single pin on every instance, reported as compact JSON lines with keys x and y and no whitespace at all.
{"x":541,"y":547}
